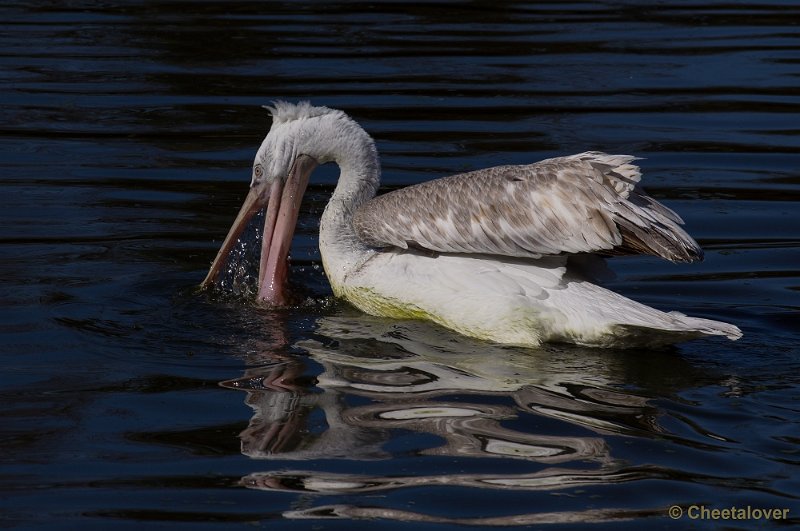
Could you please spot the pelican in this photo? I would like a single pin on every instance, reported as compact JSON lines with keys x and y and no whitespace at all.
{"x":505,"y":254}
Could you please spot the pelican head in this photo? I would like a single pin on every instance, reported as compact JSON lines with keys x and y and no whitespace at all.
{"x":299,"y":140}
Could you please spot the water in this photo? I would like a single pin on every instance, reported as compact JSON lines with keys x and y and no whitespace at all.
{"x":130,"y":399}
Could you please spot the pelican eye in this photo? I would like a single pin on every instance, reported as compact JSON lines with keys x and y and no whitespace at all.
{"x":258,"y":172}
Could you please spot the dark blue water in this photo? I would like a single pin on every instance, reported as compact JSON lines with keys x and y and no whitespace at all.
{"x":130,"y":400}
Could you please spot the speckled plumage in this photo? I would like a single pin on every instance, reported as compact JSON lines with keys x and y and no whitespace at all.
{"x":583,"y":203}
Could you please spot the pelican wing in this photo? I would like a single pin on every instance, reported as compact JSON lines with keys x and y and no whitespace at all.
{"x":589,"y":202}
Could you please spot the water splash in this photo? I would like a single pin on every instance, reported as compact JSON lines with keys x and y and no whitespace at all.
{"x":239,"y":278}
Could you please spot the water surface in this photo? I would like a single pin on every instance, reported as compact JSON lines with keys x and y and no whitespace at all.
{"x":130,"y":399}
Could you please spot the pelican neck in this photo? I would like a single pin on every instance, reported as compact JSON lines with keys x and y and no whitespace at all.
{"x":359,"y":178}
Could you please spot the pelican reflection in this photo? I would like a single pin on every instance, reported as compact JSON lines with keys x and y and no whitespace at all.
{"x":365,"y":378}
{"x":361,"y":384}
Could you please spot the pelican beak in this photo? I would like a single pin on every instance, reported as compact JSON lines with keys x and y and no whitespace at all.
{"x":284,"y":206}
{"x":282,"y":199}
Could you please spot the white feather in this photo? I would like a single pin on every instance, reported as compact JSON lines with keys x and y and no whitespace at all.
{"x":514,"y":302}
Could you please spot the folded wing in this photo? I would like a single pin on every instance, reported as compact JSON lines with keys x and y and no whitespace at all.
{"x":590,"y":202}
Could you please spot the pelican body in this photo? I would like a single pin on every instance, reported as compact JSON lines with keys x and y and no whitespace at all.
{"x":505,"y":254}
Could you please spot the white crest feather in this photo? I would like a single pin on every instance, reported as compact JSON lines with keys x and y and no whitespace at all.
{"x":283,"y":111}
